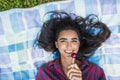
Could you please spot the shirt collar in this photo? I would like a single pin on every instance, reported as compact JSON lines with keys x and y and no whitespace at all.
{"x":57,"y":62}
{"x":84,"y":63}
{"x":54,"y":62}
{"x":57,"y":65}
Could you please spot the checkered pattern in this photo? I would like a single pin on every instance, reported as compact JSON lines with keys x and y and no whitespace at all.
{"x":19,"y":59}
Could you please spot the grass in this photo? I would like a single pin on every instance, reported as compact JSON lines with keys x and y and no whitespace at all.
{"x":10,"y":4}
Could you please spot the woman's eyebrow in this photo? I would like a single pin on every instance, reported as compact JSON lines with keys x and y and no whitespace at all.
{"x":66,"y":39}
{"x":63,"y":39}
{"x":74,"y":38}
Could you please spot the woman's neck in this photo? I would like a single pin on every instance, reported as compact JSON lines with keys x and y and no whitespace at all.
{"x":64,"y":66}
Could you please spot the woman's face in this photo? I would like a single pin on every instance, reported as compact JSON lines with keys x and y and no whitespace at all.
{"x":67,"y":43}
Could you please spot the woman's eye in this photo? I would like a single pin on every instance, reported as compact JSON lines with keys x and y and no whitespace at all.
{"x":62,"y":41}
{"x":74,"y":41}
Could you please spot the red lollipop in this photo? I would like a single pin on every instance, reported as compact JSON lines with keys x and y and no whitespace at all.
{"x":73,"y":55}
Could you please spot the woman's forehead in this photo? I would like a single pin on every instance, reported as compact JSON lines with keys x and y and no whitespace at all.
{"x":68,"y":33}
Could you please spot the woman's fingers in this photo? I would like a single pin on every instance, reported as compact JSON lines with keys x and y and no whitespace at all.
{"x":73,"y":66}
{"x":74,"y":73}
{"x":77,"y":71}
{"x":76,"y":78}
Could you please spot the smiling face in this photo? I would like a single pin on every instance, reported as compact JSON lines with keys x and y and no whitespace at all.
{"x":67,"y":43}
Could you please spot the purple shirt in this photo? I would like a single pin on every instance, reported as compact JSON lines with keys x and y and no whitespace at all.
{"x":53,"y":71}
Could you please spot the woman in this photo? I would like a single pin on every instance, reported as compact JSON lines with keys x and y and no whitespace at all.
{"x":67,"y":34}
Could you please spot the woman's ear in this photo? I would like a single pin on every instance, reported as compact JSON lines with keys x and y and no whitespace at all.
{"x":56,"y":44}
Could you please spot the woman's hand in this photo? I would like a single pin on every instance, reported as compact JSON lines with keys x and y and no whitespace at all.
{"x":74,"y":73}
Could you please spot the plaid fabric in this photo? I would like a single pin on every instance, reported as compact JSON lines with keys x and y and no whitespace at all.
{"x":19,"y":59}
{"x":53,"y":71}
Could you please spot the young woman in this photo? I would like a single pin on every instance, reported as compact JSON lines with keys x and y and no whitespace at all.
{"x":67,"y":34}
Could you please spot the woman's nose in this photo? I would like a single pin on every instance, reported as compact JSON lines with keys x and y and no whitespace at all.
{"x":69,"y":46}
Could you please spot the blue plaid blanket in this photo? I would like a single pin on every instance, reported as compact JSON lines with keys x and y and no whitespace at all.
{"x":20,"y":60}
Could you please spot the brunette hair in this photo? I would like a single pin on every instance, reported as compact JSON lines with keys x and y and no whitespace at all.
{"x":91,"y":32}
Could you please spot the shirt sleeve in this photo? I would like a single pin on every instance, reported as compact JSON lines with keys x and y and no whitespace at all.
{"x":101,"y":74}
{"x":40,"y":75}
{"x":44,"y":73}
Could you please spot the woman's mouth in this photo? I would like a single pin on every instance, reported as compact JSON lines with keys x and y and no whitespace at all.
{"x":68,"y":53}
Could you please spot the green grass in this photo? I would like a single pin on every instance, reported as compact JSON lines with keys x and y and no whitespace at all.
{"x":10,"y":4}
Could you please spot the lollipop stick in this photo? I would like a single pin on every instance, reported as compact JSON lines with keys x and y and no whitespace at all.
{"x":73,"y":60}
{"x":73,"y":55}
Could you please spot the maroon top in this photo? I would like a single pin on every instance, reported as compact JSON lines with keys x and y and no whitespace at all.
{"x":53,"y":71}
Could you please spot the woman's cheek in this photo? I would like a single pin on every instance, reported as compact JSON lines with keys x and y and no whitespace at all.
{"x":76,"y":47}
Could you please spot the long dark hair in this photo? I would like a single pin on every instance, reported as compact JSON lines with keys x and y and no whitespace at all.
{"x":91,"y":32}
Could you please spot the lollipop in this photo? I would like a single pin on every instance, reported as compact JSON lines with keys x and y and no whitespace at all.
{"x":73,"y":55}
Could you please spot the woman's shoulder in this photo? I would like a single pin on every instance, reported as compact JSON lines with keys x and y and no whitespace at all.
{"x":93,"y":69}
{"x":49,"y":64}
{"x":91,"y":65}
